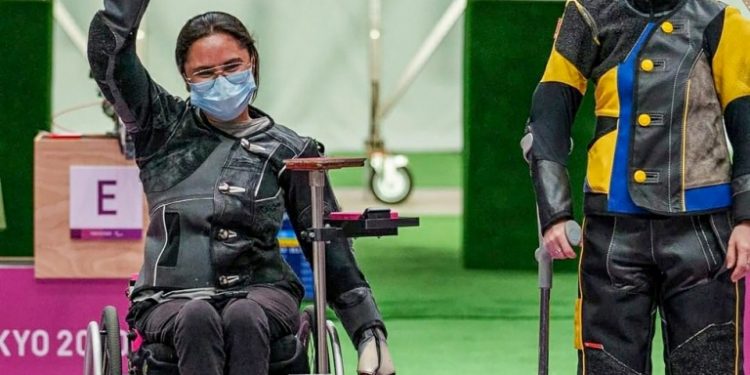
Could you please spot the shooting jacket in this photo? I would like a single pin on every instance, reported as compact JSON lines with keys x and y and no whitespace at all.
{"x":216,"y":202}
{"x":672,"y":91}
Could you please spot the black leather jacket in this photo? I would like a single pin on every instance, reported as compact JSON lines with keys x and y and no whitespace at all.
{"x":216,"y":202}
{"x":672,"y":86}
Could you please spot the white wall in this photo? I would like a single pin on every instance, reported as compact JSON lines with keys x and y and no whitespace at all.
{"x":314,"y":73}
{"x":314,"y":67}
{"x":740,"y":4}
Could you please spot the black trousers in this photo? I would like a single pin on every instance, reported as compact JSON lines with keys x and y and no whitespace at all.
{"x":630,"y":267}
{"x":230,"y":338}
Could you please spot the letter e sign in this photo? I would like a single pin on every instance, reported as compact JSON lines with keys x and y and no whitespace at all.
{"x":106,"y":203}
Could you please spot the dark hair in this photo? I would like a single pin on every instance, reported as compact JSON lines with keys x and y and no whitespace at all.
{"x":210,"y":23}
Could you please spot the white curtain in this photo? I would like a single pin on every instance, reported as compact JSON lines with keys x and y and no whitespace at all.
{"x":314,"y":72}
{"x":314,"y":67}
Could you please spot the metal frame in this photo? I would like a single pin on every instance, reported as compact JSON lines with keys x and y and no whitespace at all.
{"x":93,"y":357}
{"x":307,"y":330}
{"x":379,"y":110}
{"x":317,"y":184}
{"x":333,"y":338}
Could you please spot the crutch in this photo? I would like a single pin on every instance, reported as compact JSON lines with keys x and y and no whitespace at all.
{"x":544,"y":264}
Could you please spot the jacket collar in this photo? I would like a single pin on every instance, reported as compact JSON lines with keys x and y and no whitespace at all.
{"x":254,"y":113}
{"x":653,"y":7}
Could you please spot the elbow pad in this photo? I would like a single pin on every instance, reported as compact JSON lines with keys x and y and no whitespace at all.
{"x":357,"y":311}
{"x":552,"y":187}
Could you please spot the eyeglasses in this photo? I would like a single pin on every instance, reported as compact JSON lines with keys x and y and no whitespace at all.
{"x":209,"y":74}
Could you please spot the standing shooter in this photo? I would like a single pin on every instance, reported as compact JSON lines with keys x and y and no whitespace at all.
{"x":666,"y":204}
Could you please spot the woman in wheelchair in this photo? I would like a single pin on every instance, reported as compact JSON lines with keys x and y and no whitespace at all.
{"x":213,"y":283}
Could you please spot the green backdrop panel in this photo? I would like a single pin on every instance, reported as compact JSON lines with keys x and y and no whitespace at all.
{"x":25,"y":102}
{"x":506,"y":48}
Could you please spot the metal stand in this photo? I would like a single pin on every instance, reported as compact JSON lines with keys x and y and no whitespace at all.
{"x":378,"y":222}
{"x":374,"y":141}
{"x":317,"y":167}
{"x":416,"y":64}
{"x":389,"y":177}
{"x":317,"y":183}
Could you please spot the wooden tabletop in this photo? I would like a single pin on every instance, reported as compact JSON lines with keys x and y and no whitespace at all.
{"x":318,"y":164}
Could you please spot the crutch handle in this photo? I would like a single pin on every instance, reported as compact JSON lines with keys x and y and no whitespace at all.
{"x":544,"y":260}
{"x":573,"y":233}
{"x":526,"y":143}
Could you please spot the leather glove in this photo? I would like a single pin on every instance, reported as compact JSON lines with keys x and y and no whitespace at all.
{"x":374,"y":356}
{"x":360,"y":317}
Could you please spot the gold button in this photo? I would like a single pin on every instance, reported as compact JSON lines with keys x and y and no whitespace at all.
{"x":667,"y":27}
{"x":647,"y":65}
{"x":639,"y":176}
{"x":644,"y":120}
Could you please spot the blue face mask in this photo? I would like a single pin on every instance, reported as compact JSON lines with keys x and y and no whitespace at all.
{"x":226,"y":97}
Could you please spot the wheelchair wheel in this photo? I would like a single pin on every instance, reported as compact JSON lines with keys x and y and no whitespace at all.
{"x":111,"y":350}
{"x":103,"y":345}
{"x":307,"y":335}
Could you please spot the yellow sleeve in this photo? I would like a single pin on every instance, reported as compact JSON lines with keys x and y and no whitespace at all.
{"x":731,"y":61}
{"x":559,"y":69}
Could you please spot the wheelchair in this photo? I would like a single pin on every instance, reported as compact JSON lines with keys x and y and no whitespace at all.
{"x":314,"y":349}
{"x":292,"y":354}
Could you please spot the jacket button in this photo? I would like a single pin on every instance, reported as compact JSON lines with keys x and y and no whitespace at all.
{"x":647,"y":65}
{"x":224,"y":187}
{"x":667,"y":27}
{"x":225,"y":234}
{"x":644,"y":120}
{"x":639,"y":176}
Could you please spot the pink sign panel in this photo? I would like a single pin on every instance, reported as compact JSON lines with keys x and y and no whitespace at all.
{"x":106,"y":203}
{"x":109,"y":234}
{"x":43,"y":322}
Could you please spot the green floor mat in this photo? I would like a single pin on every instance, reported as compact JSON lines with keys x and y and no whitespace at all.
{"x":473,"y":347}
{"x":419,"y":275}
{"x":427,"y":169}
{"x":445,"y":320}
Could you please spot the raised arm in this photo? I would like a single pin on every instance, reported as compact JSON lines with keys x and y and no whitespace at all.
{"x":140,"y":103}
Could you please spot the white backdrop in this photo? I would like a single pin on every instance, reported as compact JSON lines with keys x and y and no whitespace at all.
{"x":314,"y":67}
